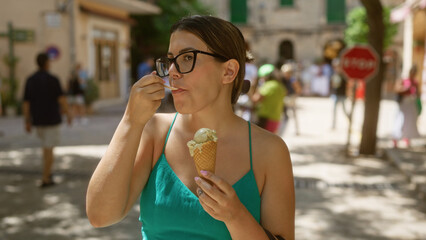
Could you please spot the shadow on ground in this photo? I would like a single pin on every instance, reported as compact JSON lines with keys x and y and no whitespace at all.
{"x":54,"y":213}
{"x":336,"y":196}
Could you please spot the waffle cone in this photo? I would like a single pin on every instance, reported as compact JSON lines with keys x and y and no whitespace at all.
{"x":205,"y":157}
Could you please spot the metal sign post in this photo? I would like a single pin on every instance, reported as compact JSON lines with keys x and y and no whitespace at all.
{"x":15,"y":35}
{"x":359,"y":63}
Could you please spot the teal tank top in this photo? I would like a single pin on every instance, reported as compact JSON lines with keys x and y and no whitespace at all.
{"x":169,"y":210}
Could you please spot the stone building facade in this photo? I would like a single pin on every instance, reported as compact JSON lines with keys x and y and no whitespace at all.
{"x":292,"y":29}
{"x":92,"y":33}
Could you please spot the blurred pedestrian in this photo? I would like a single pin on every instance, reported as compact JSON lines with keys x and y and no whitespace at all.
{"x":43,"y":102}
{"x":269,"y":99}
{"x":308,"y":71}
{"x":293,"y":89}
{"x":76,"y":96}
{"x":408,"y":95}
{"x":83,"y":76}
{"x":1,"y":106}
{"x":145,"y":67}
{"x":320,"y":85}
{"x":244,"y":106}
{"x":338,"y":90}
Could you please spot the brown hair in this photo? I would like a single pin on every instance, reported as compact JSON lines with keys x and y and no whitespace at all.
{"x":222,"y":38}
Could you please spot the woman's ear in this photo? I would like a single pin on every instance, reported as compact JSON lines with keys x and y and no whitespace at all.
{"x":231,"y":70}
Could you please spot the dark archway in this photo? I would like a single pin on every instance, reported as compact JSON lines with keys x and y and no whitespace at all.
{"x":286,"y":51}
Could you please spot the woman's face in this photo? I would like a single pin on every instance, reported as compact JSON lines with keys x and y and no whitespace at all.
{"x":202,"y":86}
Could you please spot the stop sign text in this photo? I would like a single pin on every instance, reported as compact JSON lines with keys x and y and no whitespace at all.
{"x":359,"y":62}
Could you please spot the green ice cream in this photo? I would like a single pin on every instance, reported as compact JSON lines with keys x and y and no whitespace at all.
{"x":201,"y":136}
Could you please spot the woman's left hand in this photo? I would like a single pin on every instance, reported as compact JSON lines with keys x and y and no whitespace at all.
{"x":218,"y":198}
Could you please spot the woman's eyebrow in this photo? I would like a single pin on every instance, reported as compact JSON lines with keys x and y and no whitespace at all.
{"x":183,"y":50}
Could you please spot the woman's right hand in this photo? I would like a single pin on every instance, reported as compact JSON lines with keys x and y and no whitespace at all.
{"x":145,"y":98}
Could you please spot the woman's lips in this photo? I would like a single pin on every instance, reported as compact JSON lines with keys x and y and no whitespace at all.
{"x":179,"y":90}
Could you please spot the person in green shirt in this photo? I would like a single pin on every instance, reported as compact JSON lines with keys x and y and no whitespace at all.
{"x":269,"y":99}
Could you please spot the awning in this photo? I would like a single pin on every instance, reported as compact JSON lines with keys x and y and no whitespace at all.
{"x":398,"y":14}
{"x":97,"y":12}
{"x":132,"y":6}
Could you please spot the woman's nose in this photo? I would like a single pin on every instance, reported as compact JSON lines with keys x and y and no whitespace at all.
{"x":173,"y":72}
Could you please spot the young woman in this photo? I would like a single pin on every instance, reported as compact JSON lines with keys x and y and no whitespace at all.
{"x":250,"y":193}
{"x":406,"y":124}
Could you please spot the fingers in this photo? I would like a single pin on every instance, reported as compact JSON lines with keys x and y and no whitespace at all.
{"x":204,"y":202}
{"x":216,"y":198}
{"x":219,"y":182}
{"x":150,"y":89}
{"x":215,"y":194}
{"x":151,"y":85}
{"x":148,"y":80}
{"x":206,"y":199}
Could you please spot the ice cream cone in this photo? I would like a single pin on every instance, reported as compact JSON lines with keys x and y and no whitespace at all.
{"x":205,"y":157}
{"x":203,"y":149}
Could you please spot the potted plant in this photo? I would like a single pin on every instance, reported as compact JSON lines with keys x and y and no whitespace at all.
{"x":8,"y":99}
{"x":91,"y":94}
{"x":9,"y":88}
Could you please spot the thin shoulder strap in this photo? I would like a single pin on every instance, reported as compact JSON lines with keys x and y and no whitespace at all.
{"x":168,"y":133}
{"x":251,"y":158}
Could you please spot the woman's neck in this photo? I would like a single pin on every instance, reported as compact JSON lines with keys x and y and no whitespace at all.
{"x":221,"y":121}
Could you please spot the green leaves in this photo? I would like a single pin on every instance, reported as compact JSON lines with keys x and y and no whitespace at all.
{"x":151,"y":33}
{"x":357,"y":30}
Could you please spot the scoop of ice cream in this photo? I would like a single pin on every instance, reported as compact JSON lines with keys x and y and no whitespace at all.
{"x":204,"y":135}
{"x":201,"y":136}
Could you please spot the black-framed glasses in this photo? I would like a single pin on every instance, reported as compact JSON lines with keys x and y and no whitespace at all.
{"x":184,"y":62}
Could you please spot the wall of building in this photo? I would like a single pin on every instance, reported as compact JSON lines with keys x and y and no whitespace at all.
{"x":269,"y":24}
{"x":123,"y":34}
{"x":32,"y":15}
{"x":56,"y":32}
{"x":304,"y":24}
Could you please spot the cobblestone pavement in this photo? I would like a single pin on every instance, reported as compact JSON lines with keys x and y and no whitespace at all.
{"x":338,"y":197}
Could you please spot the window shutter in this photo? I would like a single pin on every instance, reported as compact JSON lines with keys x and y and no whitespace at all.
{"x":287,"y":3}
{"x":239,"y":11}
{"x":336,"y":11}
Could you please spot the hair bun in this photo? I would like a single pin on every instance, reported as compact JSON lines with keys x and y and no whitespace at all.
{"x":249,"y":56}
{"x":246,"y":86}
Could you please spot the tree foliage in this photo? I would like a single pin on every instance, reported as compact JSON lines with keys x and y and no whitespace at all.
{"x":151,"y":33}
{"x":358,"y":29}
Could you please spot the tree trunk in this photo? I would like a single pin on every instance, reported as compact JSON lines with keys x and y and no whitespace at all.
{"x":373,"y":91}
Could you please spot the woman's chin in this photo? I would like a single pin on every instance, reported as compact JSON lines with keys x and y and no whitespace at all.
{"x":180,"y":108}
{"x":186,"y":108}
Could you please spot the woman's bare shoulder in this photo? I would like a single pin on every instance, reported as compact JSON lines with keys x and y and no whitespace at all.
{"x":155,"y":132}
{"x":159,"y":123}
{"x":269,"y":147}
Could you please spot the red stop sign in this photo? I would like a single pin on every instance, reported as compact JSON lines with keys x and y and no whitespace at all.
{"x":359,"y":62}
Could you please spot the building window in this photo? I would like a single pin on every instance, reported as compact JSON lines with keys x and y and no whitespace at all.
{"x":286,"y":51}
{"x":106,"y":55}
{"x":239,"y":11}
{"x":336,"y":11}
{"x":286,"y":3}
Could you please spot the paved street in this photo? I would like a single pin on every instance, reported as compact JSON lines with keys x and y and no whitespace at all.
{"x":349,"y":198}
{"x":338,"y":197}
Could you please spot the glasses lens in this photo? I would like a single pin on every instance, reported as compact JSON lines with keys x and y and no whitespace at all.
{"x":186,"y":62}
{"x":162,"y":65}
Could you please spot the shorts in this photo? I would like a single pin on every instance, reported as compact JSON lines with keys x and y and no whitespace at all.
{"x":270,"y":125}
{"x":76,"y":100}
{"x":49,"y":135}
